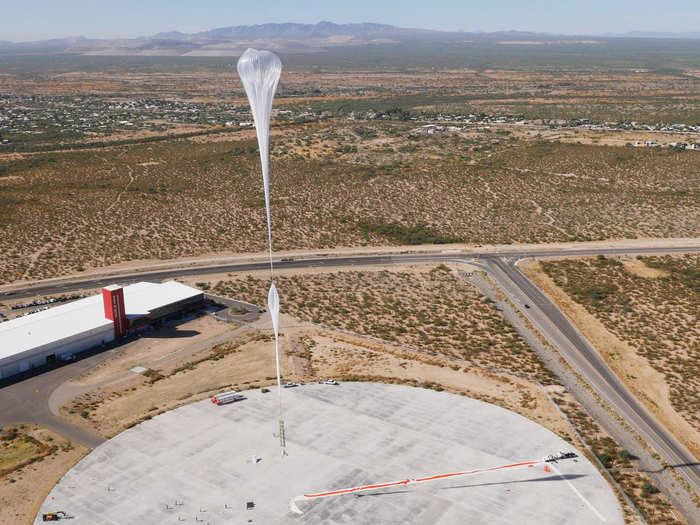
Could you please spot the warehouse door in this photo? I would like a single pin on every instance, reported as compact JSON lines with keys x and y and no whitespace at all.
{"x":9,"y":370}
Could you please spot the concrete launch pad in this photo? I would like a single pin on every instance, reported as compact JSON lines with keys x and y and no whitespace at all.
{"x":203,"y":463}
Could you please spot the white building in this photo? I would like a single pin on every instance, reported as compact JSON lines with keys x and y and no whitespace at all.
{"x":58,"y":333}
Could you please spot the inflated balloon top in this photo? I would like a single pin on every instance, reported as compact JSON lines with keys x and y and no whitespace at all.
{"x":260,"y":73}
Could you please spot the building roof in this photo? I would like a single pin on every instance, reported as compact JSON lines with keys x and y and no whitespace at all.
{"x":142,"y":298}
{"x":84,"y":315}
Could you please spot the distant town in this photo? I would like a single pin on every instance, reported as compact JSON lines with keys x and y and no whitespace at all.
{"x":65,"y":118}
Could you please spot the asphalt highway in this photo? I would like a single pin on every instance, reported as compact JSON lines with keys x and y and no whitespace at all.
{"x":366,"y":260}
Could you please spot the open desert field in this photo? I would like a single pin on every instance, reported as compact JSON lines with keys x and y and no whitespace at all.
{"x":111,"y":159}
{"x":333,"y":186}
{"x":433,"y":310}
{"x":436,"y":329}
{"x":642,"y":316}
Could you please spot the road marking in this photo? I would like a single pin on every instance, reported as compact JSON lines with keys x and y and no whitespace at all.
{"x":588,"y":503}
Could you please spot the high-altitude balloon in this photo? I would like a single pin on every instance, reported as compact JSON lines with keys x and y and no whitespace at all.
{"x":260,"y":73}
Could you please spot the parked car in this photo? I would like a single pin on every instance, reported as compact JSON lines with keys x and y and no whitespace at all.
{"x":331,"y":382}
{"x":290,"y":384}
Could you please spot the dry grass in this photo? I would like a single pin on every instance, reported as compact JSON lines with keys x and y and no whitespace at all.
{"x":343,"y":186}
{"x":645,"y":326}
{"x":32,"y":460}
{"x":431,"y":310}
{"x":333,"y":185}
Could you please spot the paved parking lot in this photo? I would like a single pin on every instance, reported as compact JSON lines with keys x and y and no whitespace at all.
{"x":197,"y":464}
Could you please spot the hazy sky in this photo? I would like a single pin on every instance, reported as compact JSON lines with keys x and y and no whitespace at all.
{"x":41,"y":19}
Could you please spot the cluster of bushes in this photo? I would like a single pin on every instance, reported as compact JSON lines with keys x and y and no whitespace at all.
{"x":418,"y":234}
{"x":365,"y":132}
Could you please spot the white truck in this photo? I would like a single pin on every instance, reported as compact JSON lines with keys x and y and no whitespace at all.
{"x":227,"y":397}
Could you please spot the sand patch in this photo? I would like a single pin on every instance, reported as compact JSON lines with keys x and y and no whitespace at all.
{"x":637,"y":267}
{"x":111,"y":409}
{"x":10,"y":179}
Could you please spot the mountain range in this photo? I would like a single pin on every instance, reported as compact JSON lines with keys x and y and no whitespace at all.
{"x":283,"y":38}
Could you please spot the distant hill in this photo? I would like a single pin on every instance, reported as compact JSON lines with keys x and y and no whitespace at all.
{"x":655,"y":34}
{"x":322,"y":30}
{"x":283,"y":38}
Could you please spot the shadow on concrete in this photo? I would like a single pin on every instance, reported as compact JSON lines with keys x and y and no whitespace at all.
{"x":556,"y":477}
{"x":545,"y":478}
{"x":170,"y":334}
{"x":383,"y":493}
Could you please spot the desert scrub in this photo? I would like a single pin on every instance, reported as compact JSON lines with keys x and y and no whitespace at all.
{"x":66,"y":211}
{"x":19,"y":448}
{"x":428,"y":309}
{"x":657,"y":315}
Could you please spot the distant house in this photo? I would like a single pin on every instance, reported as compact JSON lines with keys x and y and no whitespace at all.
{"x":427,"y":129}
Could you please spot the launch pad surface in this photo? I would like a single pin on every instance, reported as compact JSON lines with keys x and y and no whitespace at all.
{"x":204,"y":463}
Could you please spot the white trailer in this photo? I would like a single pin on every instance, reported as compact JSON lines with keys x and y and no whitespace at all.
{"x":227,"y":397}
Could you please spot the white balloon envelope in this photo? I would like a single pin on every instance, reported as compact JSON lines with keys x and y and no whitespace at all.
{"x":260,"y":73}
